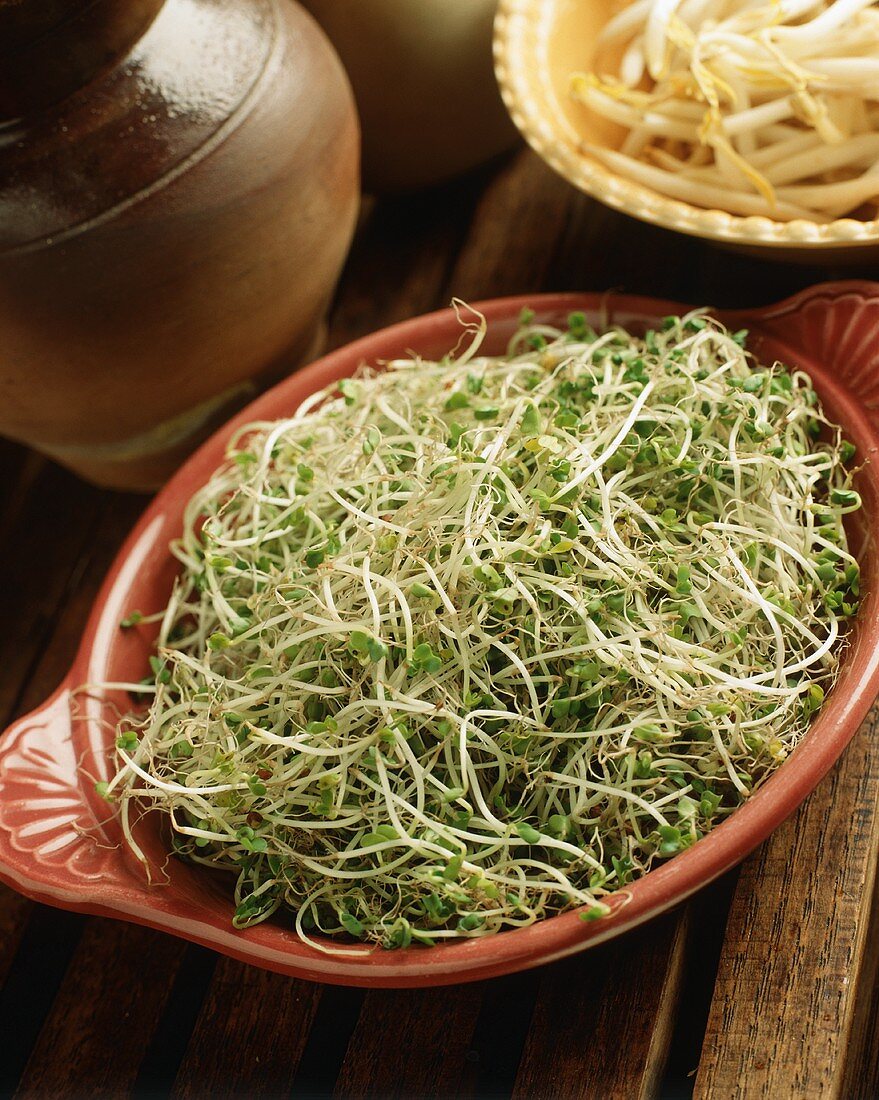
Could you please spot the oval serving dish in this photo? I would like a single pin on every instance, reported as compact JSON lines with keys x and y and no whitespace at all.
{"x":59,"y":842}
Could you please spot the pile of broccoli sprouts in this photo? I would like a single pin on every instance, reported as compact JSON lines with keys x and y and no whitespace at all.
{"x":463,"y":644}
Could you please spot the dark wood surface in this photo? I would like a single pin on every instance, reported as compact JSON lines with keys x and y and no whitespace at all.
{"x":765,"y":985}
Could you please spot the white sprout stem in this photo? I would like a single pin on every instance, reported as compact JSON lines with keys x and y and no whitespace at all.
{"x":753,"y":108}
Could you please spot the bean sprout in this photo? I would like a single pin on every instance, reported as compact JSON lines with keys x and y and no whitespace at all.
{"x":769,"y":109}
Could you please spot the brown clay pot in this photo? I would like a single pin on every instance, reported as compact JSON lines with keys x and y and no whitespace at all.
{"x":178,"y":190}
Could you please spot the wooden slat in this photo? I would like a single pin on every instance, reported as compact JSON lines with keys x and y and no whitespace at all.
{"x":785,"y":1012}
{"x":500,"y":1035}
{"x":31,"y":985}
{"x":722,"y":277}
{"x":111,"y":520}
{"x":860,"y":1080}
{"x":410,"y":1043}
{"x":603,"y":250}
{"x":53,"y":529}
{"x":864,"y":1075}
{"x":520,"y":219}
{"x":14,"y":912}
{"x":109,"y":1002}
{"x":603,"y":1021}
{"x":20,"y":469}
{"x":250,"y":1035}
{"x":400,"y":260}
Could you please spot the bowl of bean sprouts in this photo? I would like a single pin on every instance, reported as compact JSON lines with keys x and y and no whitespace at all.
{"x":756,"y":126}
{"x":557,"y":662}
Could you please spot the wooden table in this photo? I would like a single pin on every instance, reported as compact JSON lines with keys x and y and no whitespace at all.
{"x":763,"y":986}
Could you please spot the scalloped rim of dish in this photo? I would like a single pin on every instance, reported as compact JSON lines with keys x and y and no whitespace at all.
{"x":518,"y":27}
{"x":51,"y":818}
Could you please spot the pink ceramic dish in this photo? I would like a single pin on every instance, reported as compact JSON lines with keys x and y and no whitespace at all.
{"x":59,"y":843}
